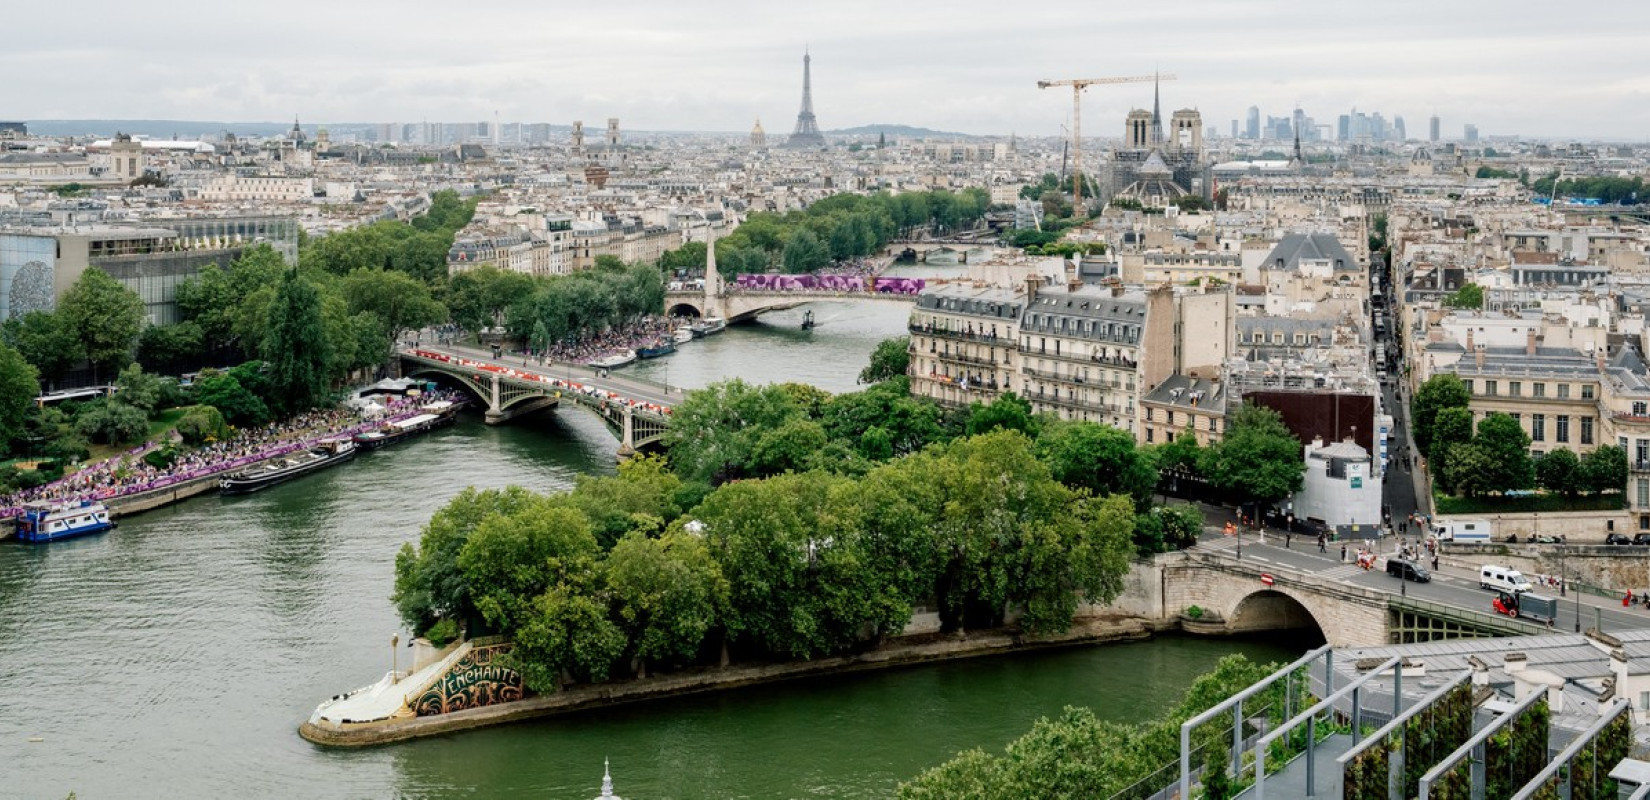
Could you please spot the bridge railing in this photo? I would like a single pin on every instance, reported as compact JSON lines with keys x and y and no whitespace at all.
{"x":1476,"y":618}
{"x":579,"y":392}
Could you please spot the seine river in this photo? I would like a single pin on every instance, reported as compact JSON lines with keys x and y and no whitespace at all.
{"x":175,"y":656}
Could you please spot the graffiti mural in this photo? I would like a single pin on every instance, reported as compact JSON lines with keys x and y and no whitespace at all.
{"x":478,"y":679}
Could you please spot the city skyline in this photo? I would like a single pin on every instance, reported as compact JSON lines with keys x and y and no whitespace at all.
{"x":669,"y":67}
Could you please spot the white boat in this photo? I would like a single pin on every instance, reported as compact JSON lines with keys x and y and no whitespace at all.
{"x":614,"y":360}
{"x":708,"y":326}
{"x":683,"y":335}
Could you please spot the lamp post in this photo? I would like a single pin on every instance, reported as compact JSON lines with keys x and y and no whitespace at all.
{"x":395,"y":658}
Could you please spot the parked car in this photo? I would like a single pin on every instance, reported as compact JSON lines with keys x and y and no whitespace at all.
{"x":1408,"y":570}
{"x":1643,"y":538}
{"x":1617,"y":538}
{"x":1546,"y":539}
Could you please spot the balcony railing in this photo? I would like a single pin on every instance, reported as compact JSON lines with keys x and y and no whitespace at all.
{"x":965,"y":335}
{"x":964,"y":359}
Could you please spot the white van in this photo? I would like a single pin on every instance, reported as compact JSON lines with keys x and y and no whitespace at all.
{"x":1475,"y":531}
{"x":1503,"y":579}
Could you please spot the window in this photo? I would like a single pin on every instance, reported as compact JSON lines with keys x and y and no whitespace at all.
{"x":1561,"y":429}
{"x":1171,"y":418}
{"x":1149,"y":413}
{"x":1644,"y":496}
{"x":1538,"y":390}
{"x":1149,"y":432}
{"x":1515,"y":388}
{"x":1586,"y":430}
{"x":1489,"y":388}
{"x":1538,"y":427}
{"x":1564,"y":391}
{"x":1277,"y":338}
{"x":1468,"y":382}
{"x":1641,"y":452}
{"x":1638,"y":408}
{"x":1587,"y":392}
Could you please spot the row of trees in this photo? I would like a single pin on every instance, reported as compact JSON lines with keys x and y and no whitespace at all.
{"x":795,"y":566}
{"x":417,"y":248}
{"x":835,"y":229}
{"x":543,"y":310}
{"x":1494,"y":456}
{"x":1080,"y":755}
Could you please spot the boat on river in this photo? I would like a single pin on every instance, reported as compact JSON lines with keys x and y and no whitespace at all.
{"x":46,"y":521}
{"x":709,"y":326}
{"x":614,"y":360}
{"x":683,"y":335}
{"x":439,"y":414}
{"x":656,"y":349}
{"x":282,"y":470}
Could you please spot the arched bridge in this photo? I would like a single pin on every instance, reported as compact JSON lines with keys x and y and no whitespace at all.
{"x":635,"y":412}
{"x":739,"y":306}
{"x":1237,"y":595}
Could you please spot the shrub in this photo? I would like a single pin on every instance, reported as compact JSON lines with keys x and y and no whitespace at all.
{"x":442,"y":633}
{"x":1195,"y":612}
{"x":202,"y":423}
{"x":161,"y":457}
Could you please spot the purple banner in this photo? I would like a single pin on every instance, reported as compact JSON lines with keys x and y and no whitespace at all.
{"x":899,"y":285}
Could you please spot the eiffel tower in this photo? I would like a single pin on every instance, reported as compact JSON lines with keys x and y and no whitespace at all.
{"x":807,"y":131}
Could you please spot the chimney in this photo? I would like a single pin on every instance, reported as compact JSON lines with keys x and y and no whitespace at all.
{"x":1529,"y":343}
{"x":1073,"y":284}
{"x":1469,"y":339}
{"x":1117,"y":291}
{"x":1598,"y":358}
{"x":1478,"y":358}
{"x":1514,"y":663}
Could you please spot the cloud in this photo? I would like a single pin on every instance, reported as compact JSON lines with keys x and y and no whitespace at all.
{"x":1509,"y":66}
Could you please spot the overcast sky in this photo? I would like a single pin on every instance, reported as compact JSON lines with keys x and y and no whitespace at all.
{"x":1511,"y":67}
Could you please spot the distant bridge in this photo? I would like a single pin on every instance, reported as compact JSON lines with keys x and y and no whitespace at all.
{"x":740,"y":305}
{"x":637,"y":412}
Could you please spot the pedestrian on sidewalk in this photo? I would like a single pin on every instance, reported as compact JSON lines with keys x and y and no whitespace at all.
{"x":1321,"y":545}
{"x":1343,"y":551}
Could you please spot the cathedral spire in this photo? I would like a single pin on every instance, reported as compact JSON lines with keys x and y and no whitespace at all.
{"x":1157,"y":111}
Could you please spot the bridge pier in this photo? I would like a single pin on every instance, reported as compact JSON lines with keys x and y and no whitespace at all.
{"x":497,"y":416}
{"x":627,"y":435}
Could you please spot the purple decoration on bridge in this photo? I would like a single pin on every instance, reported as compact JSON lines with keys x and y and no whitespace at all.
{"x":899,"y":285}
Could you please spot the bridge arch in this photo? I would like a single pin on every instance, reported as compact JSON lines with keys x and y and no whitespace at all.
{"x":684,"y":308}
{"x":1274,"y":609}
{"x":464,"y":382}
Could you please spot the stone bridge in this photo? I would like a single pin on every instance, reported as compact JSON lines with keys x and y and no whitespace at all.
{"x":739,"y":306}
{"x":509,"y":391}
{"x":1237,"y":596}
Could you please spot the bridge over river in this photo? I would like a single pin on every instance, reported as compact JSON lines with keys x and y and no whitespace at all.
{"x":1274,"y":586}
{"x":635,"y":410}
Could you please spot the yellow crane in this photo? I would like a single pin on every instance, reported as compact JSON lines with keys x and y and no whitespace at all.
{"x":1077,"y":86}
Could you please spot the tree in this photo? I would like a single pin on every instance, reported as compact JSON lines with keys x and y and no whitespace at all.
{"x":804,"y":252}
{"x":111,"y":422}
{"x":1470,"y":295}
{"x":18,"y":388}
{"x":642,"y":497}
{"x":1450,"y":426}
{"x":234,"y":401}
{"x":171,"y":349}
{"x":429,"y":584}
{"x":106,"y":317}
{"x":509,"y":559}
{"x":202,"y":424}
{"x":399,"y":301}
{"x":790,"y":447}
{"x":1099,"y":458}
{"x":1559,"y":471}
{"x":296,"y":347}
{"x":1441,"y":391}
{"x":46,"y":340}
{"x":137,"y":388}
{"x":1008,"y":412}
{"x":1259,"y":460}
{"x":1469,"y":469}
{"x":892,"y":357}
{"x":666,"y":592}
{"x":568,"y":631}
{"x":1507,"y":448}
{"x":713,"y":432}
{"x":1605,"y":470}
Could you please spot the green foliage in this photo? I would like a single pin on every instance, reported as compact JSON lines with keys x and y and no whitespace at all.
{"x":891,"y":358}
{"x":138,"y":389}
{"x":418,"y":249}
{"x":1099,"y":458}
{"x":1492,"y":172}
{"x":46,"y":340}
{"x":161,"y":457}
{"x":442,"y":633}
{"x":713,"y":432}
{"x":687,"y":257}
{"x":396,"y":300}
{"x":18,"y":388}
{"x":841,"y":227}
{"x":201,"y":424}
{"x":217,"y":299}
{"x":509,"y":559}
{"x":1441,"y":391}
{"x":642,"y":497}
{"x":236,"y":403}
{"x":1604,"y":469}
{"x":296,"y":348}
{"x":567,"y":632}
{"x":110,"y":422}
{"x":106,"y":317}
{"x":666,"y":592}
{"x":1470,"y":295}
{"x":1167,"y":528}
{"x":1259,"y":459}
{"x":1008,"y":412}
{"x":1450,"y":426}
{"x":1514,"y":754}
{"x":171,"y":349}
{"x":428,"y":581}
{"x":1559,"y":471}
{"x":804,"y":252}
{"x":1195,"y":612}
{"x":1506,"y":448}
{"x":1627,"y":191}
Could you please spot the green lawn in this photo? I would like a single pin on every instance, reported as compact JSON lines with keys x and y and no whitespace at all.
{"x":158,"y":428}
{"x":1524,"y":505}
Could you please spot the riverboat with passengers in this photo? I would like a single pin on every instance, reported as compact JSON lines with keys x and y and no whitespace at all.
{"x":47,"y":521}
{"x":439,"y":414}
{"x":656,"y":348}
{"x":709,"y":326}
{"x":282,"y":470}
{"x":614,"y":361}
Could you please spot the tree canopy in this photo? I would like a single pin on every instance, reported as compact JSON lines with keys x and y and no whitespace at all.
{"x":106,"y":316}
{"x":1258,"y":459}
{"x":1440,"y":391}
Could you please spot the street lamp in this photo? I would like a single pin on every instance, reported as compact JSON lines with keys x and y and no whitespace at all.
{"x":395,"y":658}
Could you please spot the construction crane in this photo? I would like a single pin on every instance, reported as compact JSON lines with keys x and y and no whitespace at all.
{"x":1077,"y":86}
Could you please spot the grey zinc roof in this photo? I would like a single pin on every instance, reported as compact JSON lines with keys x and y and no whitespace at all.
{"x":1086,"y":313}
{"x":1296,"y":246}
{"x":1179,"y":391}
{"x":986,"y":302}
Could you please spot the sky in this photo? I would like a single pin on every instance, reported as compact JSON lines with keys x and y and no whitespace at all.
{"x":1512,"y":67}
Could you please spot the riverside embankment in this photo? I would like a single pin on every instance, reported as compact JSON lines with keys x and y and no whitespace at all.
{"x":905,"y":652}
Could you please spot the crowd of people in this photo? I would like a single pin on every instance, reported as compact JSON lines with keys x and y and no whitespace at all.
{"x":128,"y":473}
{"x":649,"y":331}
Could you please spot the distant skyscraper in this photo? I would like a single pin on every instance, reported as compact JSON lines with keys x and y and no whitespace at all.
{"x":1398,"y":129}
{"x":1252,"y":130}
{"x":807,"y":129}
{"x":1234,"y":129}
{"x":1432,"y":129}
{"x":1469,"y":132}
{"x":1343,"y":128}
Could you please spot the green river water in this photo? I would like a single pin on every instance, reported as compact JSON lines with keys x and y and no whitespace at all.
{"x":175,"y":656}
